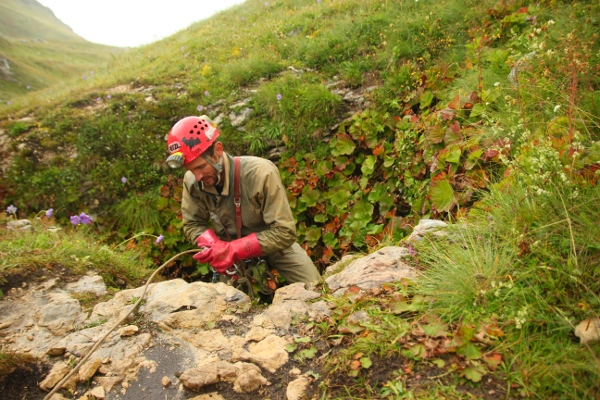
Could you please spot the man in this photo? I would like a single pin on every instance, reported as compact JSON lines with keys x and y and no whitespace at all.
{"x":268,"y":228}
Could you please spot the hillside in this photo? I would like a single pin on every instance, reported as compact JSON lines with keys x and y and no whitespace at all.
{"x":37,"y":50}
{"x":379,"y":115}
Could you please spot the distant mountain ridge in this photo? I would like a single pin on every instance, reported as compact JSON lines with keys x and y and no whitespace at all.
{"x":28,"y":19}
{"x":38,"y":50}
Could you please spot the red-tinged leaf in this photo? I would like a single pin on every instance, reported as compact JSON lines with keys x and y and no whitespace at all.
{"x":447,"y":114}
{"x":493,"y":361}
{"x":414,"y":119}
{"x":358,"y":355}
{"x":355,"y":364}
{"x":522,"y":10}
{"x":271,"y":284}
{"x":455,"y":127}
{"x":490,"y":154}
{"x":353,"y":289}
{"x":378,"y":150}
{"x":455,"y":103}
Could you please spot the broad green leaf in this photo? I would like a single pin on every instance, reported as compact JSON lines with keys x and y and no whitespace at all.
{"x":386,"y":203}
{"x":439,"y":362}
{"x":306,"y":353}
{"x":329,"y":239}
{"x":475,"y":373}
{"x":470,"y":351}
{"x":368,"y":165}
{"x":441,"y":195}
{"x":344,"y":145}
{"x":426,"y":99}
{"x":341,"y":199}
{"x":313,"y":235}
{"x":454,"y":155}
{"x":379,"y":189}
{"x":290,"y":348}
{"x":162,"y":203}
{"x":478,"y":109}
{"x":303,"y":340}
{"x":309,"y":196}
{"x":365,"y":362}
{"x":321,"y":218}
{"x":323,"y":167}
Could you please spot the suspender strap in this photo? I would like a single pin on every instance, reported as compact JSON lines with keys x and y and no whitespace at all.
{"x":237,"y":196}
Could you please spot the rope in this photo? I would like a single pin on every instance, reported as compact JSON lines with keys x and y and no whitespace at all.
{"x":60,"y":384}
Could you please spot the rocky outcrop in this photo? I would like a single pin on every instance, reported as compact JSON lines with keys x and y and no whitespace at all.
{"x":184,"y":336}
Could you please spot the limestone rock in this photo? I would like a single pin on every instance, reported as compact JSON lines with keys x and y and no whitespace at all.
{"x":297,"y":388}
{"x":58,"y":372}
{"x":89,"y":283}
{"x":128,"y":330}
{"x":270,"y":352}
{"x":249,"y":378}
{"x":88,"y":370}
{"x":295,"y":291}
{"x":588,"y":330}
{"x":368,"y":272}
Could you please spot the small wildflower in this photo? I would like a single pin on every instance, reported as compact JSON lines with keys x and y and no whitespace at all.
{"x":28,"y":87}
{"x":411,"y":251}
{"x":9,"y":102}
{"x":109,"y":96}
{"x":91,"y":73}
{"x":318,"y":1}
{"x":84,"y":77}
{"x":49,"y":213}
{"x":243,"y":18}
{"x":497,"y":84}
{"x":182,"y":48}
{"x":556,"y":108}
{"x":159,"y":239}
{"x":98,"y":99}
{"x":124,"y":180}
{"x":266,"y":4}
{"x":279,"y":96}
{"x":12,"y":209}
{"x":75,"y":220}
{"x":200,"y":108}
{"x":85,"y":219}
{"x":206,"y":93}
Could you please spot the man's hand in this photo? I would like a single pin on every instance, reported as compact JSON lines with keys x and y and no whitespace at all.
{"x":222,"y":255}
{"x":207,"y":239}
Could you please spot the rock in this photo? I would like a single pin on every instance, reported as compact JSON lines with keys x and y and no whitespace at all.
{"x":56,"y":351}
{"x":107,"y":382}
{"x":297,"y":388}
{"x":197,"y":378}
{"x":424,"y":227}
{"x":58,"y":372}
{"x":368,"y":272}
{"x":270,"y":353}
{"x":89,"y":283}
{"x":166,"y":381}
{"x":588,"y":330}
{"x":249,"y":378}
{"x":295,"y":291}
{"x":19,"y":225}
{"x":319,"y":311}
{"x":88,"y":370}
{"x":60,"y":314}
{"x":208,"y":396}
{"x":128,"y":330}
{"x":5,"y":325}
{"x":257,"y":333}
{"x":280,"y":315}
{"x":97,"y":392}
{"x":238,"y":119}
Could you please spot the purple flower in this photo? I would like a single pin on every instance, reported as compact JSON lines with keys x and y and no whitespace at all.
{"x":49,"y":213}
{"x":319,"y":1}
{"x":98,"y":99}
{"x":279,"y":96}
{"x":411,"y":251}
{"x":159,"y":239}
{"x":243,"y":18}
{"x":206,"y":93}
{"x":84,"y":77}
{"x":75,"y":220}
{"x":9,"y":102}
{"x":200,"y":108}
{"x":85,"y":219}
{"x":124,"y":180}
{"x":11,"y":209}
{"x":109,"y":96}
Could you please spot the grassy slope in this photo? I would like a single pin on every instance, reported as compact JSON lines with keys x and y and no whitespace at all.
{"x":521,"y":279}
{"x":42,"y":51}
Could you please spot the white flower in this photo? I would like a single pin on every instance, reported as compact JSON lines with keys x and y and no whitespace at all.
{"x":556,"y":108}
{"x":497,"y":84}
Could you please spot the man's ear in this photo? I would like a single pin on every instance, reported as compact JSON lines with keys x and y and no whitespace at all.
{"x":218,"y":150}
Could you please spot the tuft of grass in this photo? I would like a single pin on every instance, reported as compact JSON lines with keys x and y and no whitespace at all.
{"x":74,"y":249}
{"x":10,"y":361}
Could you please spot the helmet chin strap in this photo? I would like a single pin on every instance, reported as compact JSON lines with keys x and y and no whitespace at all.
{"x":216,"y":165}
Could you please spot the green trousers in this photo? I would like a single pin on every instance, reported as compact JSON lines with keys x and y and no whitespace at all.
{"x":294,"y":265}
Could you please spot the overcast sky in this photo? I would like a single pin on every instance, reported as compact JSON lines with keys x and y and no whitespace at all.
{"x":132,"y":22}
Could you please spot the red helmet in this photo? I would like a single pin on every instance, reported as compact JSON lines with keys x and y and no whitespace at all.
{"x":189,"y":138}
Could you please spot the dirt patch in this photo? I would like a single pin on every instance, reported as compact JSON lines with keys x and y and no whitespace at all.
{"x":23,"y":383}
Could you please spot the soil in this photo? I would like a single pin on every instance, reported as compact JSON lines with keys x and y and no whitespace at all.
{"x":22,"y":384}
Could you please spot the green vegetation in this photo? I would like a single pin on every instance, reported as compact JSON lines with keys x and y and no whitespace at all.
{"x":481,"y":113}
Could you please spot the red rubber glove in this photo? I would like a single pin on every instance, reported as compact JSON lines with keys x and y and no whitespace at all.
{"x":223,"y":255}
{"x":207,"y":239}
